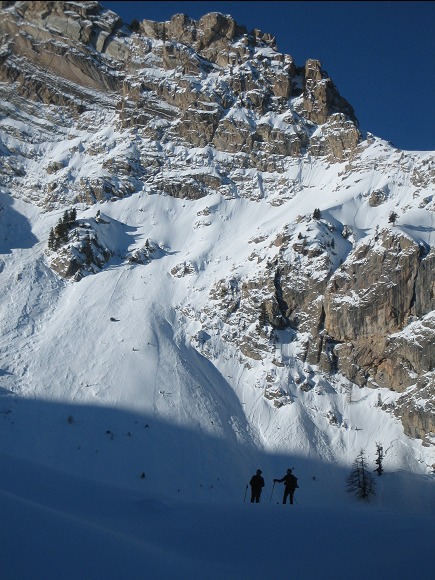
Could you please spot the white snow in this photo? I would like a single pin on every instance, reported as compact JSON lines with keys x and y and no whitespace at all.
{"x":88,"y":404}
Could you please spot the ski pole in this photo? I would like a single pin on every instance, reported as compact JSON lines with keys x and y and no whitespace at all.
{"x":273,"y":487}
{"x":246,"y":490}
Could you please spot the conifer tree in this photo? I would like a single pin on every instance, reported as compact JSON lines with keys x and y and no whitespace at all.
{"x":263,"y":318}
{"x":87,"y":250}
{"x":61,"y":233}
{"x":379,"y":458}
{"x":51,"y":240}
{"x":360,"y":481}
{"x":393,"y":218}
{"x":317,"y":214}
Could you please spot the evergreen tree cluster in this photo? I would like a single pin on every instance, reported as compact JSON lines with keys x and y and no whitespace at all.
{"x":59,"y":234}
{"x":360,"y":481}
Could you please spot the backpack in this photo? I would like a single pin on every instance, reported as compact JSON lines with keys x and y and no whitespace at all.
{"x":293,"y":481}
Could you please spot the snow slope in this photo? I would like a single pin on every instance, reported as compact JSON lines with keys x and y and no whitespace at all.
{"x":132,"y":451}
{"x":59,"y":344}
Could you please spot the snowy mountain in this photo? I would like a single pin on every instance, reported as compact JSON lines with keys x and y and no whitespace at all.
{"x":206,"y":266}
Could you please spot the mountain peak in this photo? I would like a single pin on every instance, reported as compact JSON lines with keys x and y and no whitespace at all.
{"x":203,"y":72}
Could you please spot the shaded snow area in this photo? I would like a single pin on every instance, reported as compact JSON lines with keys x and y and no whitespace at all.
{"x":131,"y":424}
{"x":61,"y":526}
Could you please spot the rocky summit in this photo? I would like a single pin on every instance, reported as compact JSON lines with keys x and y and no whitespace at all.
{"x":289,"y":243}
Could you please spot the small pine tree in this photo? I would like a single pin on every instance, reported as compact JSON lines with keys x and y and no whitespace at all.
{"x":69,"y":217}
{"x":135,"y":25}
{"x":61,"y":233}
{"x":360,"y":481}
{"x":87,"y":250}
{"x":393,"y":218}
{"x":263,"y":318}
{"x":51,"y":240}
{"x":317,"y":214}
{"x":379,"y":458}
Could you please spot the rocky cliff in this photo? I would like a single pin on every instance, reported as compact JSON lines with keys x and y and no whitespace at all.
{"x":206,"y":83}
{"x":94,"y":110}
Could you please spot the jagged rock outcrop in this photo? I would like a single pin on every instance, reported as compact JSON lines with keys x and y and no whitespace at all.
{"x":416,"y":409}
{"x":369,"y":319}
{"x":74,"y":248}
{"x":321,"y":98}
{"x":355,"y":315}
{"x":370,"y":300}
{"x":41,"y":39}
{"x":227,"y":88}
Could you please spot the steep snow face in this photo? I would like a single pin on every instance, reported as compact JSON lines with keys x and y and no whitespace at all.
{"x":131,"y":370}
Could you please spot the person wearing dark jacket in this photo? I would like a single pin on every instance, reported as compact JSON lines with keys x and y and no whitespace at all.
{"x":257,"y":484}
{"x":290,"y":484}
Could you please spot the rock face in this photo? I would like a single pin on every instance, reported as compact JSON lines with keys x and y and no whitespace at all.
{"x":321,"y":98}
{"x":372,"y":299}
{"x":69,"y":53}
{"x":201,"y":84}
{"x":94,"y":110}
{"x":370,"y":319}
{"x":33,"y":32}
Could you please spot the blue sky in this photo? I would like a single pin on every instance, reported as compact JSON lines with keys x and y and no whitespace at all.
{"x":380,"y":55}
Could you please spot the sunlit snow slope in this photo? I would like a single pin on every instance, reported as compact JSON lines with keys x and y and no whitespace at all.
{"x":103,"y":377}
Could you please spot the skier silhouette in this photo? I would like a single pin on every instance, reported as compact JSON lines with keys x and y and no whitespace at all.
{"x":257,"y":484}
{"x":291,"y":483}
